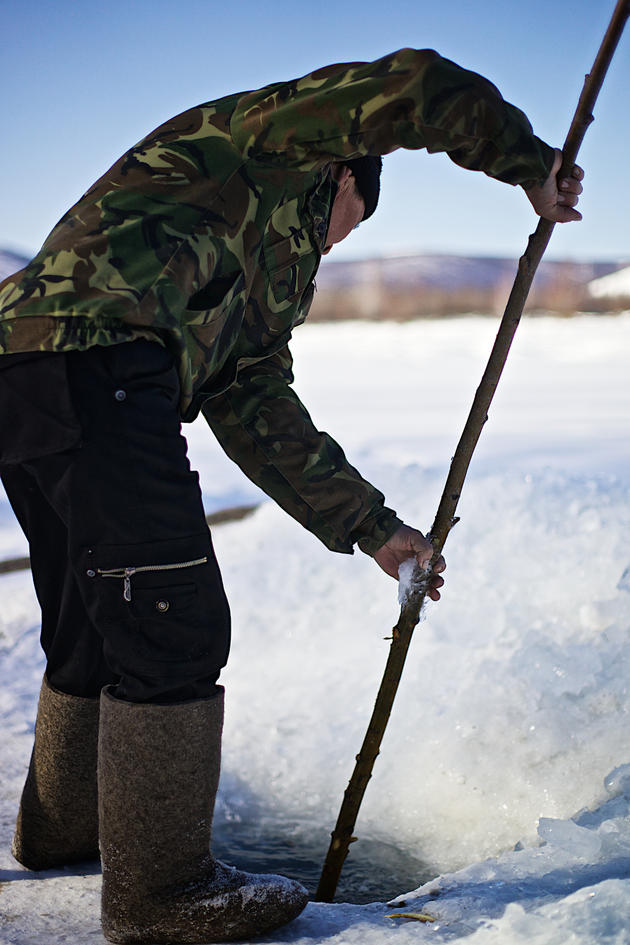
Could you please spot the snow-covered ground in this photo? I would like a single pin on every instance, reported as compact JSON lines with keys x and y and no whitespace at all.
{"x":504,"y":777}
{"x":611,"y":286}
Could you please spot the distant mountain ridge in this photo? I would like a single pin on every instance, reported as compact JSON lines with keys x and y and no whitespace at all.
{"x":10,"y":262}
{"x":435,"y":270}
{"x":614,"y":286}
{"x":434,"y":284}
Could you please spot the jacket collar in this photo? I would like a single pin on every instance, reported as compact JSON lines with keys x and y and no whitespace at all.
{"x":320,"y":204}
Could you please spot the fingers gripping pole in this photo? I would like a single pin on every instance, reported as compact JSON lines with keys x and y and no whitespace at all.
{"x":342,"y":835}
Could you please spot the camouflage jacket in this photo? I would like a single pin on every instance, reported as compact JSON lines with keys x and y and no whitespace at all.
{"x":206,"y":237}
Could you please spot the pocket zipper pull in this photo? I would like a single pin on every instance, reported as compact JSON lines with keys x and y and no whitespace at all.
{"x":126,"y":573}
{"x":127,"y":583}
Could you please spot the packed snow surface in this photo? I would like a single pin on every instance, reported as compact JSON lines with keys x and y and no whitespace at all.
{"x":504,"y":775}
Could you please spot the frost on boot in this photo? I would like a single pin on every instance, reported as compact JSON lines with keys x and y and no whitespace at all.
{"x":221,"y":905}
{"x":158,"y":778}
{"x":57,"y":822}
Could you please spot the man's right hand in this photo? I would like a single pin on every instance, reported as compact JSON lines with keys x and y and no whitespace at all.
{"x":556,"y":203}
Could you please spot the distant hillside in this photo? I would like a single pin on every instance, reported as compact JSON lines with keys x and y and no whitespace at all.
{"x":432,"y":285}
{"x":612,"y":291}
{"x":10,"y":263}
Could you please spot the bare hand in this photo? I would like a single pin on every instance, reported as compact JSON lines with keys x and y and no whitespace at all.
{"x":404,"y":544}
{"x":556,"y":202}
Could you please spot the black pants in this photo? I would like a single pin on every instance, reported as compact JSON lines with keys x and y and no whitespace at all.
{"x":95,"y":467}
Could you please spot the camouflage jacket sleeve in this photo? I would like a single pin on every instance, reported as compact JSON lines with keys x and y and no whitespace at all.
{"x":262,"y":425}
{"x":408,"y":99}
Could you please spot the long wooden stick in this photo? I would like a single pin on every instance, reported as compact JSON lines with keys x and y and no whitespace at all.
{"x":342,"y":836}
{"x":233,"y":514}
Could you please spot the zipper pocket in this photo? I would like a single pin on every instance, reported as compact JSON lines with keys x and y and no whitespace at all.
{"x":125,"y":574}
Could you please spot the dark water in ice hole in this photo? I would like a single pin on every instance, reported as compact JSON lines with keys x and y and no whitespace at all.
{"x":374,"y":871}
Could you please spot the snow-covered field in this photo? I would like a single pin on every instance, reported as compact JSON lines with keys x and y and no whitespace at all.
{"x":614,"y":285}
{"x":503,"y":785}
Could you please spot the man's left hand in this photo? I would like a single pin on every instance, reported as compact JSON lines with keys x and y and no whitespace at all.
{"x":404,"y":544}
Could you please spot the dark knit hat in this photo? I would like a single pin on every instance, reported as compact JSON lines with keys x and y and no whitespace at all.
{"x":367,"y":174}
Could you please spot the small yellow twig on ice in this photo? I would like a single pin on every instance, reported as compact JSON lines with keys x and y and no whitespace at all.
{"x":419,"y":916}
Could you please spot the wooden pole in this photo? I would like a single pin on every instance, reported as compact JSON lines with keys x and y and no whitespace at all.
{"x":233,"y":514}
{"x":342,"y":835}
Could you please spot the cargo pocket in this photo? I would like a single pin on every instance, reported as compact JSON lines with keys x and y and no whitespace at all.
{"x":168,"y":628}
{"x":38,"y":417}
{"x":160,"y":617}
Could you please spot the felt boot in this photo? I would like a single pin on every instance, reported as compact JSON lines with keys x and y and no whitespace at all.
{"x":57,"y":821}
{"x":158,"y":778}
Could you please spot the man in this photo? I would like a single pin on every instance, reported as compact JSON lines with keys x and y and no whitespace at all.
{"x":172,"y":287}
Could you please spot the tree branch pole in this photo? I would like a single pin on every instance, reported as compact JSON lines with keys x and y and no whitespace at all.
{"x":342,"y":836}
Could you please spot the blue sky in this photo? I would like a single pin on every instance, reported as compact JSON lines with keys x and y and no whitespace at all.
{"x":84,"y":81}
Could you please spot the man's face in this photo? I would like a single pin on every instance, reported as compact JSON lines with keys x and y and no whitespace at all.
{"x":347,"y":209}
